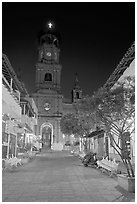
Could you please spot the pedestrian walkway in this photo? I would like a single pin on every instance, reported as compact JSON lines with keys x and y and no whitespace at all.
{"x":59,"y":177}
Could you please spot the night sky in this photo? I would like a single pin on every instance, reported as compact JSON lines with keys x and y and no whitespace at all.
{"x":95,"y":36}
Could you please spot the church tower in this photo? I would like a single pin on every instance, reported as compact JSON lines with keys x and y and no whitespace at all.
{"x":48,"y":97}
{"x":48,"y":69}
{"x":77,"y":91}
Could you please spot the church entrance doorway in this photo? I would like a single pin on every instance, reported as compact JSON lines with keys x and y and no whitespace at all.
{"x":47,"y":134}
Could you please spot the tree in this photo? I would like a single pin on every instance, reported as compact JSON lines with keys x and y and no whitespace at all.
{"x":114,"y":110}
{"x":85,"y":118}
{"x":86,"y":115}
{"x":76,"y":124}
{"x":69,"y":124}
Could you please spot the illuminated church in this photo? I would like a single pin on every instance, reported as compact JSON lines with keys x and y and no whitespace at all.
{"x":50,"y":102}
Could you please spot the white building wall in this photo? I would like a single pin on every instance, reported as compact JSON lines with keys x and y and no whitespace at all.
{"x":9,"y":105}
{"x":11,"y":108}
{"x":130,"y":71}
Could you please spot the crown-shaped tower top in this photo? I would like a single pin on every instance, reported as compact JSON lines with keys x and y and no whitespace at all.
{"x":49,"y":35}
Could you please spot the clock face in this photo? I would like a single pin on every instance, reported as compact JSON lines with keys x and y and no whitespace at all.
{"x":48,"y":54}
{"x":47,"y":106}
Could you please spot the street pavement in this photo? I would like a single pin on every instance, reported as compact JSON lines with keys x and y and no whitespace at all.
{"x":60,"y":177}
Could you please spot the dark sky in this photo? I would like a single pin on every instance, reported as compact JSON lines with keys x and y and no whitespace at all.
{"x":95,"y":36}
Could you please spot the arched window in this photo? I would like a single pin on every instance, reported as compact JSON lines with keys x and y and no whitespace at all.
{"x":48,"y":77}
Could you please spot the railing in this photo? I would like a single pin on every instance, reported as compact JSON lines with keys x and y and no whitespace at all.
{"x":15,"y":94}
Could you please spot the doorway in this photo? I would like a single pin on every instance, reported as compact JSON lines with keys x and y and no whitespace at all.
{"x":47,"y":134}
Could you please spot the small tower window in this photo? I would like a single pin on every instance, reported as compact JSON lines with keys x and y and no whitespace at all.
{"x":48,"y":77}
{"x":77,"y":95}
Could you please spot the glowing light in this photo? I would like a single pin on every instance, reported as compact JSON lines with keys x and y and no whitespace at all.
{"x":50,"y":25}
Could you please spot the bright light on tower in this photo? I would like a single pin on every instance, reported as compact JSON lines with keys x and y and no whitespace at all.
{"x":50,"y":25}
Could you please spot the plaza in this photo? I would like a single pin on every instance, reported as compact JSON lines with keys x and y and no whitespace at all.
{"x":60,"y":177}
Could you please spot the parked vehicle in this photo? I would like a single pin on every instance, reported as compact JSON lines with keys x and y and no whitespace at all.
{"x":34,"y":149}
{"x":90,"y":160}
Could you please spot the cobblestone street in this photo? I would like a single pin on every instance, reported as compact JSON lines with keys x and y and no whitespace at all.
{"x":60,"y":177}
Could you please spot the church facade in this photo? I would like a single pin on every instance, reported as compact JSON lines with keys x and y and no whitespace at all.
{"x":50,"y":101}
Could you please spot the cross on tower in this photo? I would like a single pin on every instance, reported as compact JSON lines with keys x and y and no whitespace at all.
{"x":50,"y":25}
